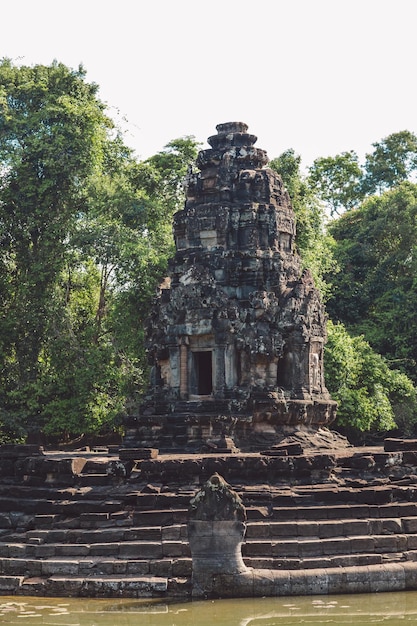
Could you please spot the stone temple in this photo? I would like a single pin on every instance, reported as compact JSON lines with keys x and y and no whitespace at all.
{"x":236,"y":334}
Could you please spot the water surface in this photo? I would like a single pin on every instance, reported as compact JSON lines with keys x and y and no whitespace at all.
{"x":390,"y":609}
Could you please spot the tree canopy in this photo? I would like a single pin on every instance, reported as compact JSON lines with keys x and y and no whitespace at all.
{"x":375,"y":292}
{"x":342,"y":183}
{"x":85,"y":232}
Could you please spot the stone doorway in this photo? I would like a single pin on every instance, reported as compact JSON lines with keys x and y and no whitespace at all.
{"x":202,"y":373}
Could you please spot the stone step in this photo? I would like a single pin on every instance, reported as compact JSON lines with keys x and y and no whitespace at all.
{"x":10,"y":584}
{"x":126,"y":550}
{"x":345,"y":511}
{"x":282,"y":547}
{"x":265,"y":529}
{"x":345,"y":560}
{"x":331,"y":528}
{"x":315,"y":547}
{"x":160,"y":500}
{"x":62,"y":507}
{"x":143,"y":533}
{"x":169,"y":567}
{"x":114,"y":534}
{"x":166,"y":517}
{"x":98,"y":586}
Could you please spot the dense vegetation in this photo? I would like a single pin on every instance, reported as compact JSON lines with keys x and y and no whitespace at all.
{"x":85,"y":232}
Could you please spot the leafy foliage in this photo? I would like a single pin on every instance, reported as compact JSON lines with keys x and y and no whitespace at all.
{"x":375,"y":293}
{"x":342,"y":183}
{"x":314,"y":244}
{"x":393,"y":161}
{"x":337,"y":181}
{"x":85,"y":233}
{"x":371,"y":396}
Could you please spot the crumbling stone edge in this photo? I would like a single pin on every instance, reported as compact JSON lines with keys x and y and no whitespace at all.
{"x":326,"y":581}
{"x":216,"y":530}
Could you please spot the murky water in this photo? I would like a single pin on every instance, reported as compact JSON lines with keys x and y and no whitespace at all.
{"x":391,"y":609}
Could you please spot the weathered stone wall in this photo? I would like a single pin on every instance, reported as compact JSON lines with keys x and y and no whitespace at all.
{"x":237,"y":332}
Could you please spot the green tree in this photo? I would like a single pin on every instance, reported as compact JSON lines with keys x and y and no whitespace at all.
{"x":52,"y":132}
{"x":393,"y":161}
{"x":120,"y":249}
{"x":375,"y":293}
{"x":371,"y":396}
{"x":337,"y":181}
{"x":314,"y":244}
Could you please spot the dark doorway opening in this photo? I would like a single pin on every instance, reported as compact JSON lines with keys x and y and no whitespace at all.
{"x":203,"y":372}
{"x":285,"y":370}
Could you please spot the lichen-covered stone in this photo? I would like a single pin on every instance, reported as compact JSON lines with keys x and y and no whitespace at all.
{"x":236,"y":334}
{"x":216,"y":501}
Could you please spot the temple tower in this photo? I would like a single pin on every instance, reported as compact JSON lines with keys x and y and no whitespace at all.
{"x":236,"y":334}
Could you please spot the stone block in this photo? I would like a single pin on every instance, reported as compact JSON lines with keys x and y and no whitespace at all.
{"x":142,"y":550}
{"x":264,"y":583}
{"x":330,"y":529}
{"x":139,"y":568}
{"x":391,"y":526}
{"x":318,"y":581}
{"x":409,"y":524}
{"x":5,"y":521}
{"x":375,"y":526}
{"x":147,"y":533}
{"x":304,"y":529}
{"x":410,"y":575}
{"x":336,"y":581}
{"x":161,"y":567}
{"x":91,"y":520}
{"x":103,"y":549}
{"x":137,"y":454}
{"x":362,"y":544}
{"x":72,"y":549}
{"x":385,"y":543}
{"x":15,"y":550}
{"x":298,"y":583}
{"x":335,"y":546}
{"x":356,"y":527}
{"x":10,"y":583}
{"x":52,"y":567}
{"x":14,"y":451}
{"x":182,"y":567}
{"x":28,"y":567}
{"x":87,"y":567}
{"x":412,"y":542}
{"x":258,"y":530}
{"x":119,"y":567}
{"x":103,"y":567}
{"x":171,"y":533}
{"x":357,"y":580}
{"x":172,"y":548}
{"x":257,"y":548}
{"x":387,"y":577}
{"x":392,"y":444}
{"x":44,"y":551}
{"x":409,"y":457}
{"x":282,"y":549}
{"x":310,"y":548}
{"x":315,"y":562}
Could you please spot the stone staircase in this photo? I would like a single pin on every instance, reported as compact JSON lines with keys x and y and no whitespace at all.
{"x":80,"y":530}
{"x":81,"y":542}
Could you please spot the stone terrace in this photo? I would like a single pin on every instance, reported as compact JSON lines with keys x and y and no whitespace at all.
{"x":104,"y":524}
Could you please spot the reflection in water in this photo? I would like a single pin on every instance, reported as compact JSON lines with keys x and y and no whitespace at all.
{"x":390,"y":609}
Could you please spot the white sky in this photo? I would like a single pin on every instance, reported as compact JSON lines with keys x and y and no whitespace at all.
{"x":319,"y":76}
